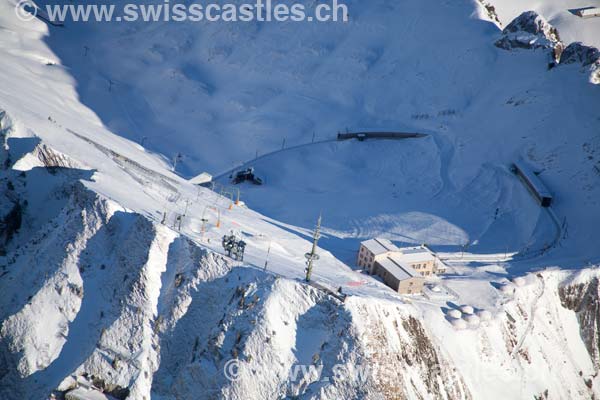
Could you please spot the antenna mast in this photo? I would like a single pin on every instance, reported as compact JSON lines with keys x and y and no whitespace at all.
{"x":313,"y":256}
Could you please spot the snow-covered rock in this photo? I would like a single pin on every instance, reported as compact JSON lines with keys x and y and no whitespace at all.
{"x":459,"y":324}
{"x":506,"y":287}
{"x":579,"y":53}
{"x":472,"y":319}
{"x":484,"y":315}
{"x":85,"y":394}
{"x":582,"y":295}
{"x":529,"y":31}
{"x":519,"y":281}
{"x":466,"y":309}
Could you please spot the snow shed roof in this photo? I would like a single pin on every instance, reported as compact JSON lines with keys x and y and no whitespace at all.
{"x":202,"y":178}
{"x":394,"y":265}
{"x":536,"y":184}
{"x":379,"y":246}
{"x":588,"y":12}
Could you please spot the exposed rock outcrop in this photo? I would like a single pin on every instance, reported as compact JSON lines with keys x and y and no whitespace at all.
{"x":584,"y":299}
{"x":529,"y":30}
{"x":490,"y":12}
{"x":579,"y":53}
{"x":587,"y":56}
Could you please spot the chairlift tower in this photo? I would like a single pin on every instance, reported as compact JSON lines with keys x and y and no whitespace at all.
{"x":313,"y":256}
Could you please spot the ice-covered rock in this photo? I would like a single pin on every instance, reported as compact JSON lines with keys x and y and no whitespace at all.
{"x":454,"y":313}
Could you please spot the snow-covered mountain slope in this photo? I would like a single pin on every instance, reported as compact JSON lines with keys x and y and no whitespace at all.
{"x":221,"y":94}
{"x":141,"y":312}
{"x":102,"y":285}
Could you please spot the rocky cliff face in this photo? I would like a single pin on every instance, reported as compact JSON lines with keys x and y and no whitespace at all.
{"x":584,"y":299}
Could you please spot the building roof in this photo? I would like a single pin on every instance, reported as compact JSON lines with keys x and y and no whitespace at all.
{"x":202,"y":178}
{"x":415,"y":255}
{"x":400,"y":270}
{"x":379,"y":246}
{"x":588,"y":12}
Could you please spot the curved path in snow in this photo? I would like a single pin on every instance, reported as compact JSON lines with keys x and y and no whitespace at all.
{"x":245,"y":164}
{"x":531,"y":318}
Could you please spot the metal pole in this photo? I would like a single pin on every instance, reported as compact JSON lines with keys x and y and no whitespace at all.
{"x":187,"y":203}
{"x":203,"y":230}
{"x":267,"y":259}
